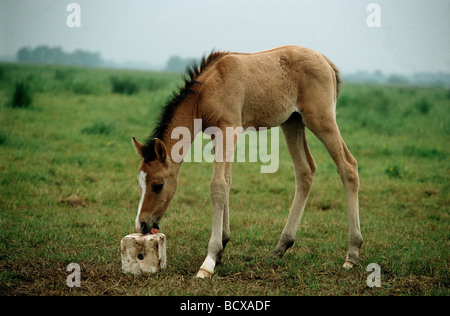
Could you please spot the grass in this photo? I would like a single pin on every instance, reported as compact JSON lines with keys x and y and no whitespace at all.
{"x":99,"y":127}
{"x":73,"y":144}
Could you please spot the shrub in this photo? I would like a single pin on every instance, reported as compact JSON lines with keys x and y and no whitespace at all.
{"x":3,"y":138}
{"x":423,"y":106}
{"x":21,"y":97}
{"x":124,"y":86}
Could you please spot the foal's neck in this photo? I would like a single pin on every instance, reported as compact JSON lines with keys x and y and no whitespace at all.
{"x":182,"y":118}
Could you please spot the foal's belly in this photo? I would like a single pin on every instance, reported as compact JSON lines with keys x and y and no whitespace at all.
{"x":268,"y":115}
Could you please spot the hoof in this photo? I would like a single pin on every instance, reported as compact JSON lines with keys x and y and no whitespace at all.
{"x":275,"y":255}
{"x":203,"y":274}
{"x":348,"y":265}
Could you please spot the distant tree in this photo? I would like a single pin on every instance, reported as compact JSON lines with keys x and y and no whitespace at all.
{"x":56,"y":55}
{"x":378,"y":76}
{"x":23,"y":55}
{"x":436,"y":80}
{"x":397,"y":79}
{"x":40,"y":54}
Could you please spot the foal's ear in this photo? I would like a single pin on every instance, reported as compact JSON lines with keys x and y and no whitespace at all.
{"x":160,"y":149}
{"x":138,"y":146}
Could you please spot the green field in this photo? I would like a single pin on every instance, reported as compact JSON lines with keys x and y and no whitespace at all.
{"x":74,"y":140}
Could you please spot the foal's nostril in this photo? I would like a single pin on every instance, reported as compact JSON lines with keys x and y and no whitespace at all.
{"x":144,"y":228}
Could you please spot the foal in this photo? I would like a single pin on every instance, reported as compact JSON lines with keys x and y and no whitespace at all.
{"x":290,"y":86}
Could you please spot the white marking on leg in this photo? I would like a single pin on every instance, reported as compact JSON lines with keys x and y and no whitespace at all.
{"x":208,"y":264}
{"x":143,"y":185}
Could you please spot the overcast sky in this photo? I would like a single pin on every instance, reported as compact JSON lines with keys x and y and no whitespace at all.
{"x":413,"y":37}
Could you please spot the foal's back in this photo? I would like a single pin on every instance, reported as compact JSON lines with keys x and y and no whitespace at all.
{"x":263,"y":89}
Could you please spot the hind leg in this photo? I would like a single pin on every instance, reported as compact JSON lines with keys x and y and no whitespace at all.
{"x":226,"y":218}
{"x":348,"y":171}
{"x":325,"y":128}
{"x":304,"y":170}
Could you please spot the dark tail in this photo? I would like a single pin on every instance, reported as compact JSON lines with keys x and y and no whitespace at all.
{"x":337,"y":74}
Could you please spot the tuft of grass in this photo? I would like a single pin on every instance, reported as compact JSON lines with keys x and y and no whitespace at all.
{"x":84,"y":87}
{"x":155,"y":83}
{"x":21,"y":97}
{"x":415,"y":151}
{"x":62,"y":74}
{"x":99,"y":127}
{"x":393,"y":171}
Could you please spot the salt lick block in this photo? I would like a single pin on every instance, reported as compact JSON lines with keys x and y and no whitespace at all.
{"x":143,"y":253}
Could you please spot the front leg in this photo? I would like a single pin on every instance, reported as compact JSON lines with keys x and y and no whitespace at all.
{"x":219,"y":198}
{"x":219,"y":190}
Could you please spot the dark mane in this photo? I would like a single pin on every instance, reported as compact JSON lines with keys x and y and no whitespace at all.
{"x":190,"y":80}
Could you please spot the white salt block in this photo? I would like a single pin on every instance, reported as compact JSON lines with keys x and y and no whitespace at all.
{"x":143,"y":253}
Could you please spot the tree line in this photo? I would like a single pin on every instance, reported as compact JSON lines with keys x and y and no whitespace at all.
{"x":55,"y":55}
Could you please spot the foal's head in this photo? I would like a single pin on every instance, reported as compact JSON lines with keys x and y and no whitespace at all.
{"x":157,"y":182}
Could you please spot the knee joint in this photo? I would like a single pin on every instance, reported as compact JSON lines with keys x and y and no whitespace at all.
{"x":218,"y":189}
{"x":218,"y":185}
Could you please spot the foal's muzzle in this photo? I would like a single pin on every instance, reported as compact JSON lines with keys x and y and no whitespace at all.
{"x":146,"y":228}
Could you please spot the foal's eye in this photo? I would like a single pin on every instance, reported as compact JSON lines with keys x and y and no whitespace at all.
{"x":157,"y":187}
